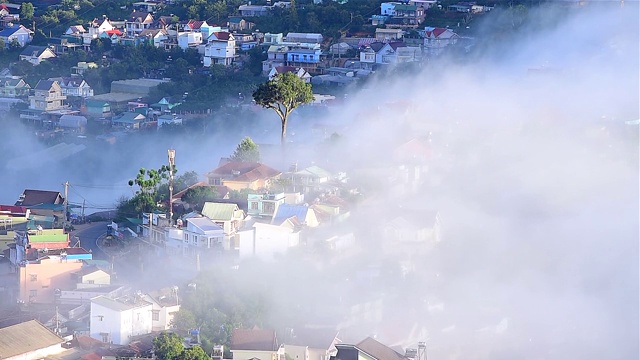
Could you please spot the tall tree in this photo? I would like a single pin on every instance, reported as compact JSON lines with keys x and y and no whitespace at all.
{"x":168,"y":346}
{"x":26,"y":11}
{"x":283,"y":94}
{"x":247,"y":151}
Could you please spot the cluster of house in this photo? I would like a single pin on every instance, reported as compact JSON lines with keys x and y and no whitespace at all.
{"x":272,"y":219}
{"x":245,"y":344}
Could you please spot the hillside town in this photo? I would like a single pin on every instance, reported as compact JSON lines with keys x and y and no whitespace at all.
{"x":71,"y":102}
{"x":292,"y":251}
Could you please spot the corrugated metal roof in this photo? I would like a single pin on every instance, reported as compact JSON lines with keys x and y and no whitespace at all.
{"x":205,"y":224}
{"x":286,"y":211}
{"x":26,"y":337}
{"x":219,"y":211}
{"x":315,"y":171}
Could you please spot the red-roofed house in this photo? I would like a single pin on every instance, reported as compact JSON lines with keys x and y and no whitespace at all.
{"x":414,"y":151}
{"x":260,"y":344}
{"x":200,"y":26}
{"x":220,"y":49}
{"x":436,"y":39}
{"x":243,"y":175}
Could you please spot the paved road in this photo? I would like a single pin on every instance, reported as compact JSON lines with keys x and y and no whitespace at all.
{"x":88,"y":234}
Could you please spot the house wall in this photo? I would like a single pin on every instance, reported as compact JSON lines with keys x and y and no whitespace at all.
{"x":50,"y":274}
{"x":39,"y":354}
{"x":121,"y":325}
{"x":105,"y":321}
{"x":265,"y":241}
{"x":166,"y":315}
{"x":318,"y":354}
{"x":97,"y":278}
{"x":296,"y":352}
{"x":240,"y":185}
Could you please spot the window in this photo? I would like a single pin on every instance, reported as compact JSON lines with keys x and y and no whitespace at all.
{"x":91,"y":281}
{"x":105,"y":337}
{"x":33,"y":277}
{"x":269,"y":208}
{"x":33,"y":293}
{"x":254,"y":205}
{"x":155,"y":315}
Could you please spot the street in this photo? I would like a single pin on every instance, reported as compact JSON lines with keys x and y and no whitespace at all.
{"x":88,"y":234}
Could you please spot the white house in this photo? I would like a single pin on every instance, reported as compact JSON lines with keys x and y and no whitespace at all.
{"x":220,"y":49}
{"x":189,"y":39}
{"x":74,"y":86}
{"x":300,"y":72}
{"x":117,"y":320}
{"x":436,"y":39}
{"x":203,"y":233}
{"x":36,"y":54}
{"x":265,"y":240}
{"x":155,"y":37}
{"x":169,"y":119}
{"x":16,"y":34}
{"x":165,"y":303}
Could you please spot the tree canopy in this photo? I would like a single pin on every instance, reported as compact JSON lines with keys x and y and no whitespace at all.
{"x":283,"y":94}
{"x":198,"y":195}
{"x":167,"y":346}
{"x":247,"y":151}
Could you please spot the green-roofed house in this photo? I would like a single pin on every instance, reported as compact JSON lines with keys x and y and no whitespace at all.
{"x":164,"y":105}
{"x":96,"y":108}
{"x":228,"y":216}
{"x":48,"y":240}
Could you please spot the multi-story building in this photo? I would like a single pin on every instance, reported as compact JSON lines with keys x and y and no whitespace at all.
{"x":74,"y":86}
{"x":220,"y":49}
{"x":44,"y":272}
{"x":117,"y":320}
{"x":264,"y":205}
{"x":137,"y":22}
{"x":165,"y":304}
{"x":47,"y":96}
{"x":197,"y":235}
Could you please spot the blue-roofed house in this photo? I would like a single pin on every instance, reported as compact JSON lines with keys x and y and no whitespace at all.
{"x":301,"y":214}
{"x":129,"y":120}
{"x":19,"y":35}
{"x":198,"y":234}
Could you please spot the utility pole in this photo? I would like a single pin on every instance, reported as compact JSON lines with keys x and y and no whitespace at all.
{"x":172,"y":161}
{"x":83,"y":201}
{"x":66,"y":203}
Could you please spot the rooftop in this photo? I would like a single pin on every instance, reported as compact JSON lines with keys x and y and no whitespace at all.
{"x":254,"y":339}
{"x":26,"y":337}
{"x":120,"y":304}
